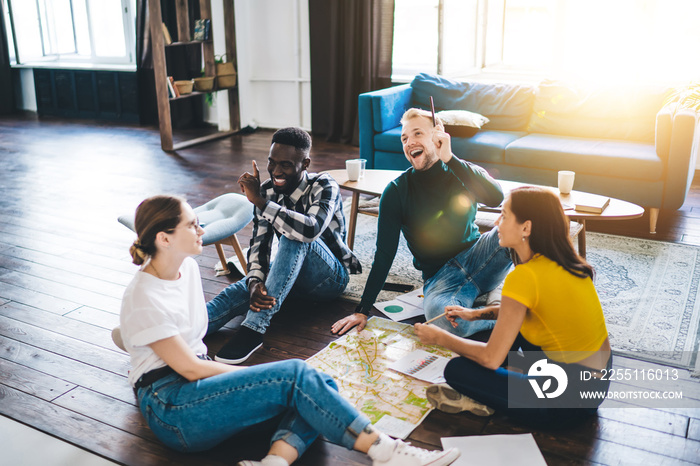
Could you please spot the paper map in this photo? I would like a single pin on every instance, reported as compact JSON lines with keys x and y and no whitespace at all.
{"x":359,"y":364}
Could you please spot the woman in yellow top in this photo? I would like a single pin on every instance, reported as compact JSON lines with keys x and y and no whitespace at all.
{"x":550,"y":310}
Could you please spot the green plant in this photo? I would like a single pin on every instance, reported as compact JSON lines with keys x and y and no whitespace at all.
{"x":209,"y":96}
{"x":686,"y":97}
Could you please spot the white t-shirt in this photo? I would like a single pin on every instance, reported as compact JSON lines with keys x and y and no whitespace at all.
{"x":154,"y":309}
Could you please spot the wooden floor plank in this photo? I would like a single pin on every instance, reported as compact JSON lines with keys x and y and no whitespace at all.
{"x":34,"y":298}
{"x":59,"y":264}
{"x":107,"y":410}
{"x":32,"y":382}
{"x":97,"y":317}
{"x":61,"y":291}
{"x":99,"y":438}
{"x":50,"y":341}
{"x":70,"y":279}
{"x":79,"y":330}
{"x":66,"y":368}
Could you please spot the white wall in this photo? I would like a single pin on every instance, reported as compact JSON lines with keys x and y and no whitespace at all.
{"x":274,"y":71}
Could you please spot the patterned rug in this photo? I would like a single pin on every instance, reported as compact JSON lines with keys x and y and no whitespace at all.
{"x":648,"y":289}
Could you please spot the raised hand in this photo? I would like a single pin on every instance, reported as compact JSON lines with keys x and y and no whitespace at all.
{"x":250,"y":185}
{"x":443,"y":143}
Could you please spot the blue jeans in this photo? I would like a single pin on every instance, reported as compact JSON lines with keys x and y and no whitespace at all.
{"x":307,"y":270}
{"x":196,"y":416}
{"x":463,"y":278}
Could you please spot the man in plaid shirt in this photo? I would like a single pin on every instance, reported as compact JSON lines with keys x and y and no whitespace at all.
{"x":305,"y":212}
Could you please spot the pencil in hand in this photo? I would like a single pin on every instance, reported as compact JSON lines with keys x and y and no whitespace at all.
{"x":436,"y":318}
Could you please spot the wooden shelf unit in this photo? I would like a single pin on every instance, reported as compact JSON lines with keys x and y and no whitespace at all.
{"x":161,"y":73}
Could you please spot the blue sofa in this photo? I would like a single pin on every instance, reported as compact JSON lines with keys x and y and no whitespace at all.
{"x":619,"y":140}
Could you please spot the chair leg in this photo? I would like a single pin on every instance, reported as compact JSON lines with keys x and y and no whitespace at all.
{"x":239,"y":252}
{"x":222,"y":258}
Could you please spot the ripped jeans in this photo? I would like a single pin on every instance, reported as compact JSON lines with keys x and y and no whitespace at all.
{"x":463,"y":278}
{"x":196,"y":416}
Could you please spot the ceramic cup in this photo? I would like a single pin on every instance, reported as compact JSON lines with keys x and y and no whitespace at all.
{"x":566,"y":181}
{"x":354,"y":168}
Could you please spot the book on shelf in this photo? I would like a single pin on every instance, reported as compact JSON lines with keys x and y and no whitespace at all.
{"x":166,"y":35}
{"x":175,"y":89}
{"x":591,"y":203}
{"x":202,"y":28}
{"x":172,"y":90}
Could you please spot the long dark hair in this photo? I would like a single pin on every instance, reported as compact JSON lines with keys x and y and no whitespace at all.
{"x":549,"y":234}
{"x":153,"y":215}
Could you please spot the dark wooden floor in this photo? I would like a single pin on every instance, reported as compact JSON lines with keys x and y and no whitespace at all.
{"x":64,"y":265}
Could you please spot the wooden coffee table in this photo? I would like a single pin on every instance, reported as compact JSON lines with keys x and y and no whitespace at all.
{"x":375,"y":181}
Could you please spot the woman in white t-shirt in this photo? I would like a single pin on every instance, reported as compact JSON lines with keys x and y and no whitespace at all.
{"x":193,"y":403}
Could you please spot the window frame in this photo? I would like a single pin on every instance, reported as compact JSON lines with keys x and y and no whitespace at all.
{"x":92,"y":61}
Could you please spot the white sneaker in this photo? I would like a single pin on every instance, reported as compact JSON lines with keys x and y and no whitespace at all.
{"x":269,"y":460}
{"x":406,"y":455}
{"x":449,"y":400}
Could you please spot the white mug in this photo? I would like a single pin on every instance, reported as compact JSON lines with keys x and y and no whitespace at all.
{"x":566,"y":181}
{"x":354,"y":168}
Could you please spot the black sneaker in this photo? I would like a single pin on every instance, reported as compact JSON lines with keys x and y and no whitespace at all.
{"x":240,"y":347}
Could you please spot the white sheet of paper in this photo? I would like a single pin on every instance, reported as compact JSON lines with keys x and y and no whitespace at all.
{"x":395,"y":427}
{"x":403,"y":307}
{"x":496,"y":450}
{"x":422,"y":365}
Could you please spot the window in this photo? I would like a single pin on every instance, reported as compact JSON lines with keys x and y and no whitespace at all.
{"x":639,"y":40}
{"x":87,"y":31}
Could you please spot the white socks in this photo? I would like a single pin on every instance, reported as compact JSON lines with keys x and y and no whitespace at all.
{"x":273,"y":460}
{"x":382,"y":449}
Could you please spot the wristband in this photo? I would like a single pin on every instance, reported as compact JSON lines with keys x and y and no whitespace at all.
{"x":252,"y":280}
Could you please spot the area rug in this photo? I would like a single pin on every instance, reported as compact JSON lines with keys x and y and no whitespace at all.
{"x":648,"y":289}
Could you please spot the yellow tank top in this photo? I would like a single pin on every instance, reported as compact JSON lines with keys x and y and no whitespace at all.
{"x":564,"y":314}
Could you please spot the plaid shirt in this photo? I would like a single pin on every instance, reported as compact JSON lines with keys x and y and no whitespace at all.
{"x":314,"y":210}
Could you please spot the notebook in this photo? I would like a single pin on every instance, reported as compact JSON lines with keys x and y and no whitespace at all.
{"x":591,"y":203}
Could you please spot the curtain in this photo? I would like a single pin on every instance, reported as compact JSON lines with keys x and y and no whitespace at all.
{"x":7,"y":102}
{"x":148,"y":107}
{"x":351,"y":47}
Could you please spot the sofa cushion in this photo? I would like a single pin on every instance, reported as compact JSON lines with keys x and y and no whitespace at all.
{"x":602,"y":113}
{"x":461,"y":123}
{"x":610,"y":157}
{"x":485,"y":146}
{"x":507,"y":106}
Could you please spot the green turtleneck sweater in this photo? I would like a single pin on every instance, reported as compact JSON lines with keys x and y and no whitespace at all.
{"x":435,"y":211}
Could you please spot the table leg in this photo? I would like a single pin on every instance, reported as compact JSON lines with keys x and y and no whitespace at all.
{"x":582,"y":239}
{"x":352,"y":222}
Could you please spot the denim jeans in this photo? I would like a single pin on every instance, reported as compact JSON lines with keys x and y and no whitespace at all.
{"x":463,"y":278}
{"x":307,"y":270}
{"x":196,"y":416}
